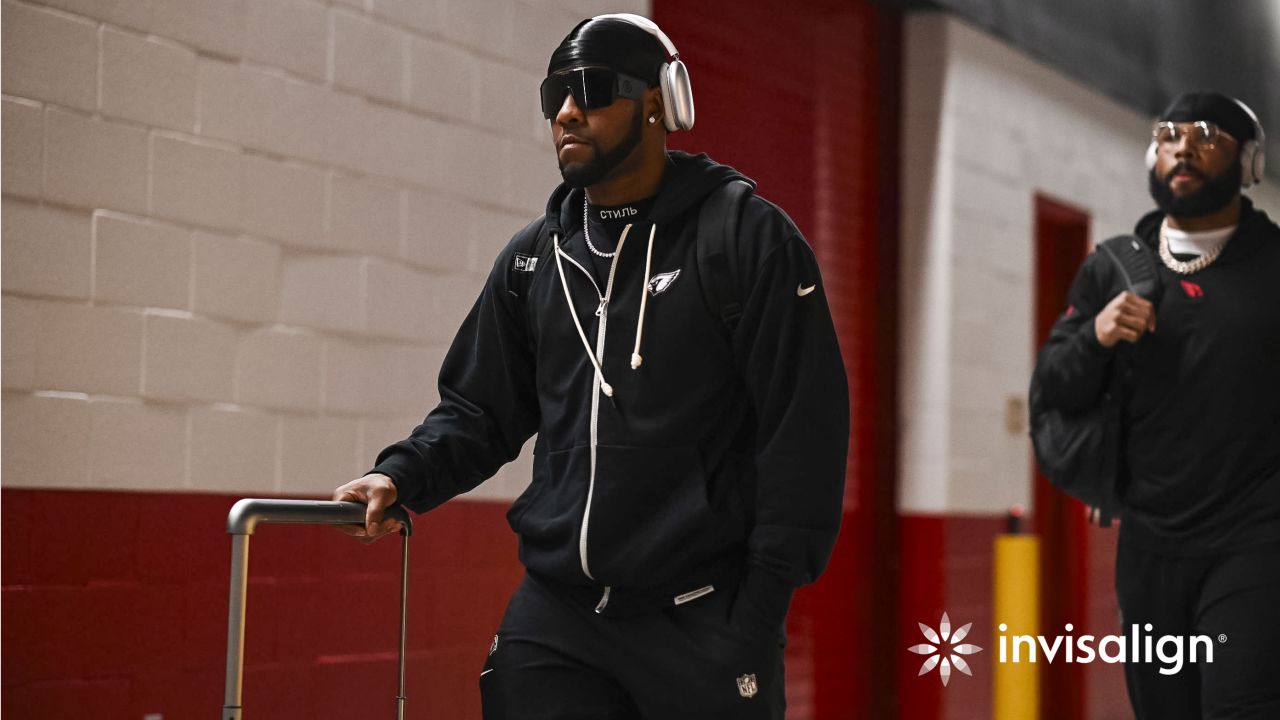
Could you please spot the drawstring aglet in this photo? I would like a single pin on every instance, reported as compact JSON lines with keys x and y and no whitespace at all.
{"x":636,"y":360}
{"x":607,"y":389}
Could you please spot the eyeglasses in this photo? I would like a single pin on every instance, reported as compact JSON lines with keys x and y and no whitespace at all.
{"x":592,"y":88}
{"x":1201,"y":134}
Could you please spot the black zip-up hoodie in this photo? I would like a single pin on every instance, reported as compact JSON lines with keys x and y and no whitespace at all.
{"x":717,"y":460}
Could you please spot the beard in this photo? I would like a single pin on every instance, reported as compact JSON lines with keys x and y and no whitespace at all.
{"x":588,"y":173}
{"x":1214,"y":194}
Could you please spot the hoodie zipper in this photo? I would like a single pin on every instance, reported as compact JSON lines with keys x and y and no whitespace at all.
{"x":602,"y":312}
{"x":594,"y":284}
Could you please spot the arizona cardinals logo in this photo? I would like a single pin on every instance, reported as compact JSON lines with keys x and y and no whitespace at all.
{"x":659,"y":283}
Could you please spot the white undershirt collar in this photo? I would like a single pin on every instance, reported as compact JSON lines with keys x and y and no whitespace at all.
{"x":1182,"y":242}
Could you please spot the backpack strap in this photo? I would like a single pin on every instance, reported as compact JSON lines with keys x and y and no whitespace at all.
{"x":1137,"y":265}
{"x":717,"y":235}
{"x":1138,"y":269}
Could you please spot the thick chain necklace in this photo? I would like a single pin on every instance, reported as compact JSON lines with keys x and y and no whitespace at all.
{"x":1190,"y":266}
{"x":586,"y":231}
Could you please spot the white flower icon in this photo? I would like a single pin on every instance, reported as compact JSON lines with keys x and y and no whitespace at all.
{"x":937,"y":650}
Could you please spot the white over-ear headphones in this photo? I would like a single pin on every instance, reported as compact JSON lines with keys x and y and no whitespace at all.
{"x":1253,"y":153}
{"x":673,"y":77}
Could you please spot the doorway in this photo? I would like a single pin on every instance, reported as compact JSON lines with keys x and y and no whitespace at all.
{"x":1061,"y":244}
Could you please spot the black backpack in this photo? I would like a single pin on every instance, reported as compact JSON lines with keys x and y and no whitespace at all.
{"x":1082,"y":453}
{"x":717,"y":229}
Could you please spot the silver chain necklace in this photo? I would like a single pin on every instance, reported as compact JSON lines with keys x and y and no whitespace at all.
{"x":586,"y":231}
{"x":1190,"y":266}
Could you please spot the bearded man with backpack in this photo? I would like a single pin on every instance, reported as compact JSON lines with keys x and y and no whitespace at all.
{"x":1165,"y":409}
{"x":665,"y":333}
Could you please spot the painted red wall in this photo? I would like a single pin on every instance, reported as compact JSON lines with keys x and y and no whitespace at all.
{"x":806,"y":103}
{"x":947,"y":566}
{"x":115,"y":605}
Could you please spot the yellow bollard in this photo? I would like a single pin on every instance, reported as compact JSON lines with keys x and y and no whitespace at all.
{"x":1017,"y":606}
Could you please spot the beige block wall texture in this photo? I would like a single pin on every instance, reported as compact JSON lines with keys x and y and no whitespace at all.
{"x":238,"y":235}
{"x":986,"y":128}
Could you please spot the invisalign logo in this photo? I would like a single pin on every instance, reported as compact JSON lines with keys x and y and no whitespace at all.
{"x":1171,"y":651}
{"x":945,"y":649}
{"x":939,"y":655}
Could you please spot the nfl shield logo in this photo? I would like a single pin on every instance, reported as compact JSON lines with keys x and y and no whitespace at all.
{"x":747,"y":686}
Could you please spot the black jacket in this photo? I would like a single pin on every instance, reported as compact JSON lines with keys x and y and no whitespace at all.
{"x":1201,"y":406}
{"x":717,"y":461}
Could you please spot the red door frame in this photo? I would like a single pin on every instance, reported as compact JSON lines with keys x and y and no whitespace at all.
{"x":1061,"y":244}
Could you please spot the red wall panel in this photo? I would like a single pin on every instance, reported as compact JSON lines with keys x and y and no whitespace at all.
{"x":117,"y":603}
{"x":806,"y":102}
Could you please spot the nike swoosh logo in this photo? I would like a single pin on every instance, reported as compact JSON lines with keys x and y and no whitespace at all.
{"x":802,"y":290}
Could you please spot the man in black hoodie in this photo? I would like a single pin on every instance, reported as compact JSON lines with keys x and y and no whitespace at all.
{"x":688,"y":474}
{"x":1199,"y":546}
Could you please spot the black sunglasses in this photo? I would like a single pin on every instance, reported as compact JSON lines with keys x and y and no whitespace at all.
{"x":592,"y":88}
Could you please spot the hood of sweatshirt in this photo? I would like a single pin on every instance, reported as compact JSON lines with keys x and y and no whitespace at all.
{"x":688,"y":179}
{"x":1254,"y":228}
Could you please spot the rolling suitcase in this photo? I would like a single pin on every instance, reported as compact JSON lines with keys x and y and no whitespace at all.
{"x":244,"y":517}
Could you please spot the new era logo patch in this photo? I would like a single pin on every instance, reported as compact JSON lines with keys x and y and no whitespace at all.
{"x":525,"y":263}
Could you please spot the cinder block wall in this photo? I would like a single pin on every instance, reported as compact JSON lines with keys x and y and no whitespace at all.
{"x":239,"y":235}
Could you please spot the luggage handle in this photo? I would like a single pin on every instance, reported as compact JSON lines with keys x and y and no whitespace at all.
{"x":248,"y":513}
{"x":243,"y":519}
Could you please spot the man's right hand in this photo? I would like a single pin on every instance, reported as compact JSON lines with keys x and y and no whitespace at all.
{"x":377,"y":493}
{"x":1126,"y":317}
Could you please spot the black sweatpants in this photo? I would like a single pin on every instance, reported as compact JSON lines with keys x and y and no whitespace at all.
{"x":554,"y":658}
{"x":1235,"y":600}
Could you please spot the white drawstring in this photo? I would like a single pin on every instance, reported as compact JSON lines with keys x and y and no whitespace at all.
{"x":605,"y":387}
{"x":644,"y":296}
